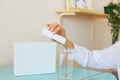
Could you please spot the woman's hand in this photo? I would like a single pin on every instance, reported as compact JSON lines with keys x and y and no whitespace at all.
{"x":57,"y":29}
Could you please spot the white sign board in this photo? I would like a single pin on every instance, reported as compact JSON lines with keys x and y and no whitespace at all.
{"x":34,"y":58}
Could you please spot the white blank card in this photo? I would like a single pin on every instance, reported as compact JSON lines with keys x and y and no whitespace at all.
{"x":34,"y":58}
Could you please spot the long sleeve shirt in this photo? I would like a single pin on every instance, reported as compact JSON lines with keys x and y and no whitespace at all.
{"x":100,"y":59}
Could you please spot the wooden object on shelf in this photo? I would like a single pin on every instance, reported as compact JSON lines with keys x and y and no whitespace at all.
{"x":114,"y":1}
{"x":67,"y":4}
{"x":79,"y":4}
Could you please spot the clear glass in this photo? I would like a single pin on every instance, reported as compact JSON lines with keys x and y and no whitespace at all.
{"x":65,"y":65}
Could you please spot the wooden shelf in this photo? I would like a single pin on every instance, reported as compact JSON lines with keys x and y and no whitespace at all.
{"x":84,"y":12}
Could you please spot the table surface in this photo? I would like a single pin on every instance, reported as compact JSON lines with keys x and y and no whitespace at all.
{"x":6,"y":73}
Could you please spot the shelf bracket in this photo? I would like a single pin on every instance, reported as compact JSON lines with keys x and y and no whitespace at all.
{"x":92,"y":28}
{"x":64,"y":14}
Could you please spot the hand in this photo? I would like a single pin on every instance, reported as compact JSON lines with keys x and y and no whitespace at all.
{"x":57,"y":29}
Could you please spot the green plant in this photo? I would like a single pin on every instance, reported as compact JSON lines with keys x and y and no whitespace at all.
{"x":113,"y":11}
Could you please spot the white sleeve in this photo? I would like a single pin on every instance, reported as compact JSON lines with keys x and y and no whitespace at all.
{"x":101,"y":59}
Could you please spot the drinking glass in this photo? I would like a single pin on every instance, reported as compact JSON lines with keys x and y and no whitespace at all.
{"x":65,"y":64}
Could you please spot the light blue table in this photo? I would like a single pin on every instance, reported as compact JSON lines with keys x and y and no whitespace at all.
{"x":6,"y":73}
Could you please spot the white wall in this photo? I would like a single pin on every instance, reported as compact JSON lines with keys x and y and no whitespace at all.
{"x":22,"y":20}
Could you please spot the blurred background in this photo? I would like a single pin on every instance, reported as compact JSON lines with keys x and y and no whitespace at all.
{"x":22,"y":20}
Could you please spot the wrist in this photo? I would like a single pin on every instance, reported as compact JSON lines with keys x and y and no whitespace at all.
{"x":69,"y":44}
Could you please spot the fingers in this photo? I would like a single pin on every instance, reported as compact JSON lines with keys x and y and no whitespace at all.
{"x":57,"y":30}
{"x":54,"y":27}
